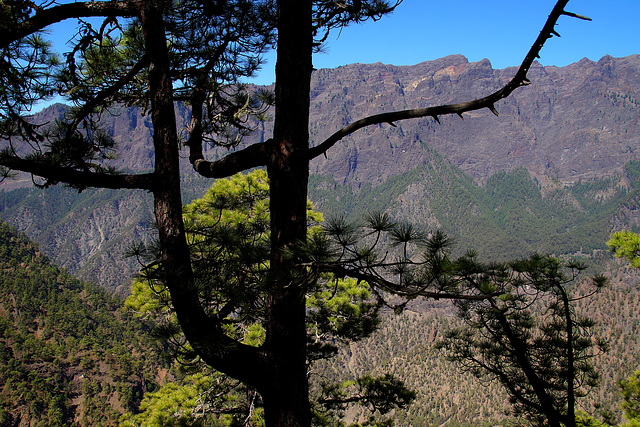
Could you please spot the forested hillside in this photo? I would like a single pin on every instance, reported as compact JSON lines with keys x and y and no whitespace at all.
{"x":88,"y":233}
{"x":555,"y":173}
{"x":69,"y":353}
{"x":511,"y":216}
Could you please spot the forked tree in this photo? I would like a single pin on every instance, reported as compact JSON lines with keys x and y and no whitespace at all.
{"x":529,"y":338}
{"x":153,"y":53}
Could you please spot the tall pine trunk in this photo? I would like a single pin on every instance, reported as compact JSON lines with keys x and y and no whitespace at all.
{"x":285,"y":386}
{"x":175,"y":257}
{"x":286,"y":400}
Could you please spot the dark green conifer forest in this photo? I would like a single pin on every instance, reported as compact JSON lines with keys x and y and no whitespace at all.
{"x":69,"y":352}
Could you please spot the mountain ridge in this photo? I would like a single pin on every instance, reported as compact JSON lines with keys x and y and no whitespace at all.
{"x":536,"y":124}
{"x":553,"y":127}
{"x":572,"y":124}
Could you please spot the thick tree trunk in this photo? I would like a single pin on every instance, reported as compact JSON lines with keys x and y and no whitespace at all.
{"x":570,"y":418}
{"x":286,"y":399}
{"x":240,"y":361}
{"x":166,"y":192}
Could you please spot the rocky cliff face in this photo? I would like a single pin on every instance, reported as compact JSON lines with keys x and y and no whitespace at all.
{"x":87,"y":233}
{"x":574,"y":122}
{"x":571,"y":123}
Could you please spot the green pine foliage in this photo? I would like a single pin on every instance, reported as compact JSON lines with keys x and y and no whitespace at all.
{"x":630,"y":389}
{"x":186,"y":403}
{"x":227,"y":230}
{"x":626,"y":244}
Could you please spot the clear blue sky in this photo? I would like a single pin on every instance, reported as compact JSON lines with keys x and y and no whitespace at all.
{"x":500,"y":30}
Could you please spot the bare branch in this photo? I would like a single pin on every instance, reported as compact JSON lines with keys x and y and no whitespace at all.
{"x":390,"y":286}
{"x":46,"y":17}
{"x":575,"y":15}
{"x":253,"y":156}
{"x":77,"y":178}
{"x":520,"y":79}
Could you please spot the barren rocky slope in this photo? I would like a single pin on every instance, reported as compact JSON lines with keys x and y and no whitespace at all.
{"x":572,"y":123}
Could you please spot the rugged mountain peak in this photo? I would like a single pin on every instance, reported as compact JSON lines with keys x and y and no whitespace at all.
{"x":572,"y":122}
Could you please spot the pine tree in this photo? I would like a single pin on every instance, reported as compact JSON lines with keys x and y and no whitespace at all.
{"x":155,"y":52}
{"x":228,"y":235}
{"x":527,"y":335}
{"x":626,"y":244}
{"x":630,"y":389}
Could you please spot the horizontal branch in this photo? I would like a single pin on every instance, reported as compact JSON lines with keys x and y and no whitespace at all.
{"x":78,"y":178}
{"x":520,"y":79}
{"x":397,"y":289}
{"x":45,"y":17}
{"x":333,"y":401}
{"x":253,"y":156}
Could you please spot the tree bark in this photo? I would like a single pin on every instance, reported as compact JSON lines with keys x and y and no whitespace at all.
{"x":286,"y":400}
{"x":570,"y":419}
{"x":167,"y":196}
{"x":204,"y":333}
